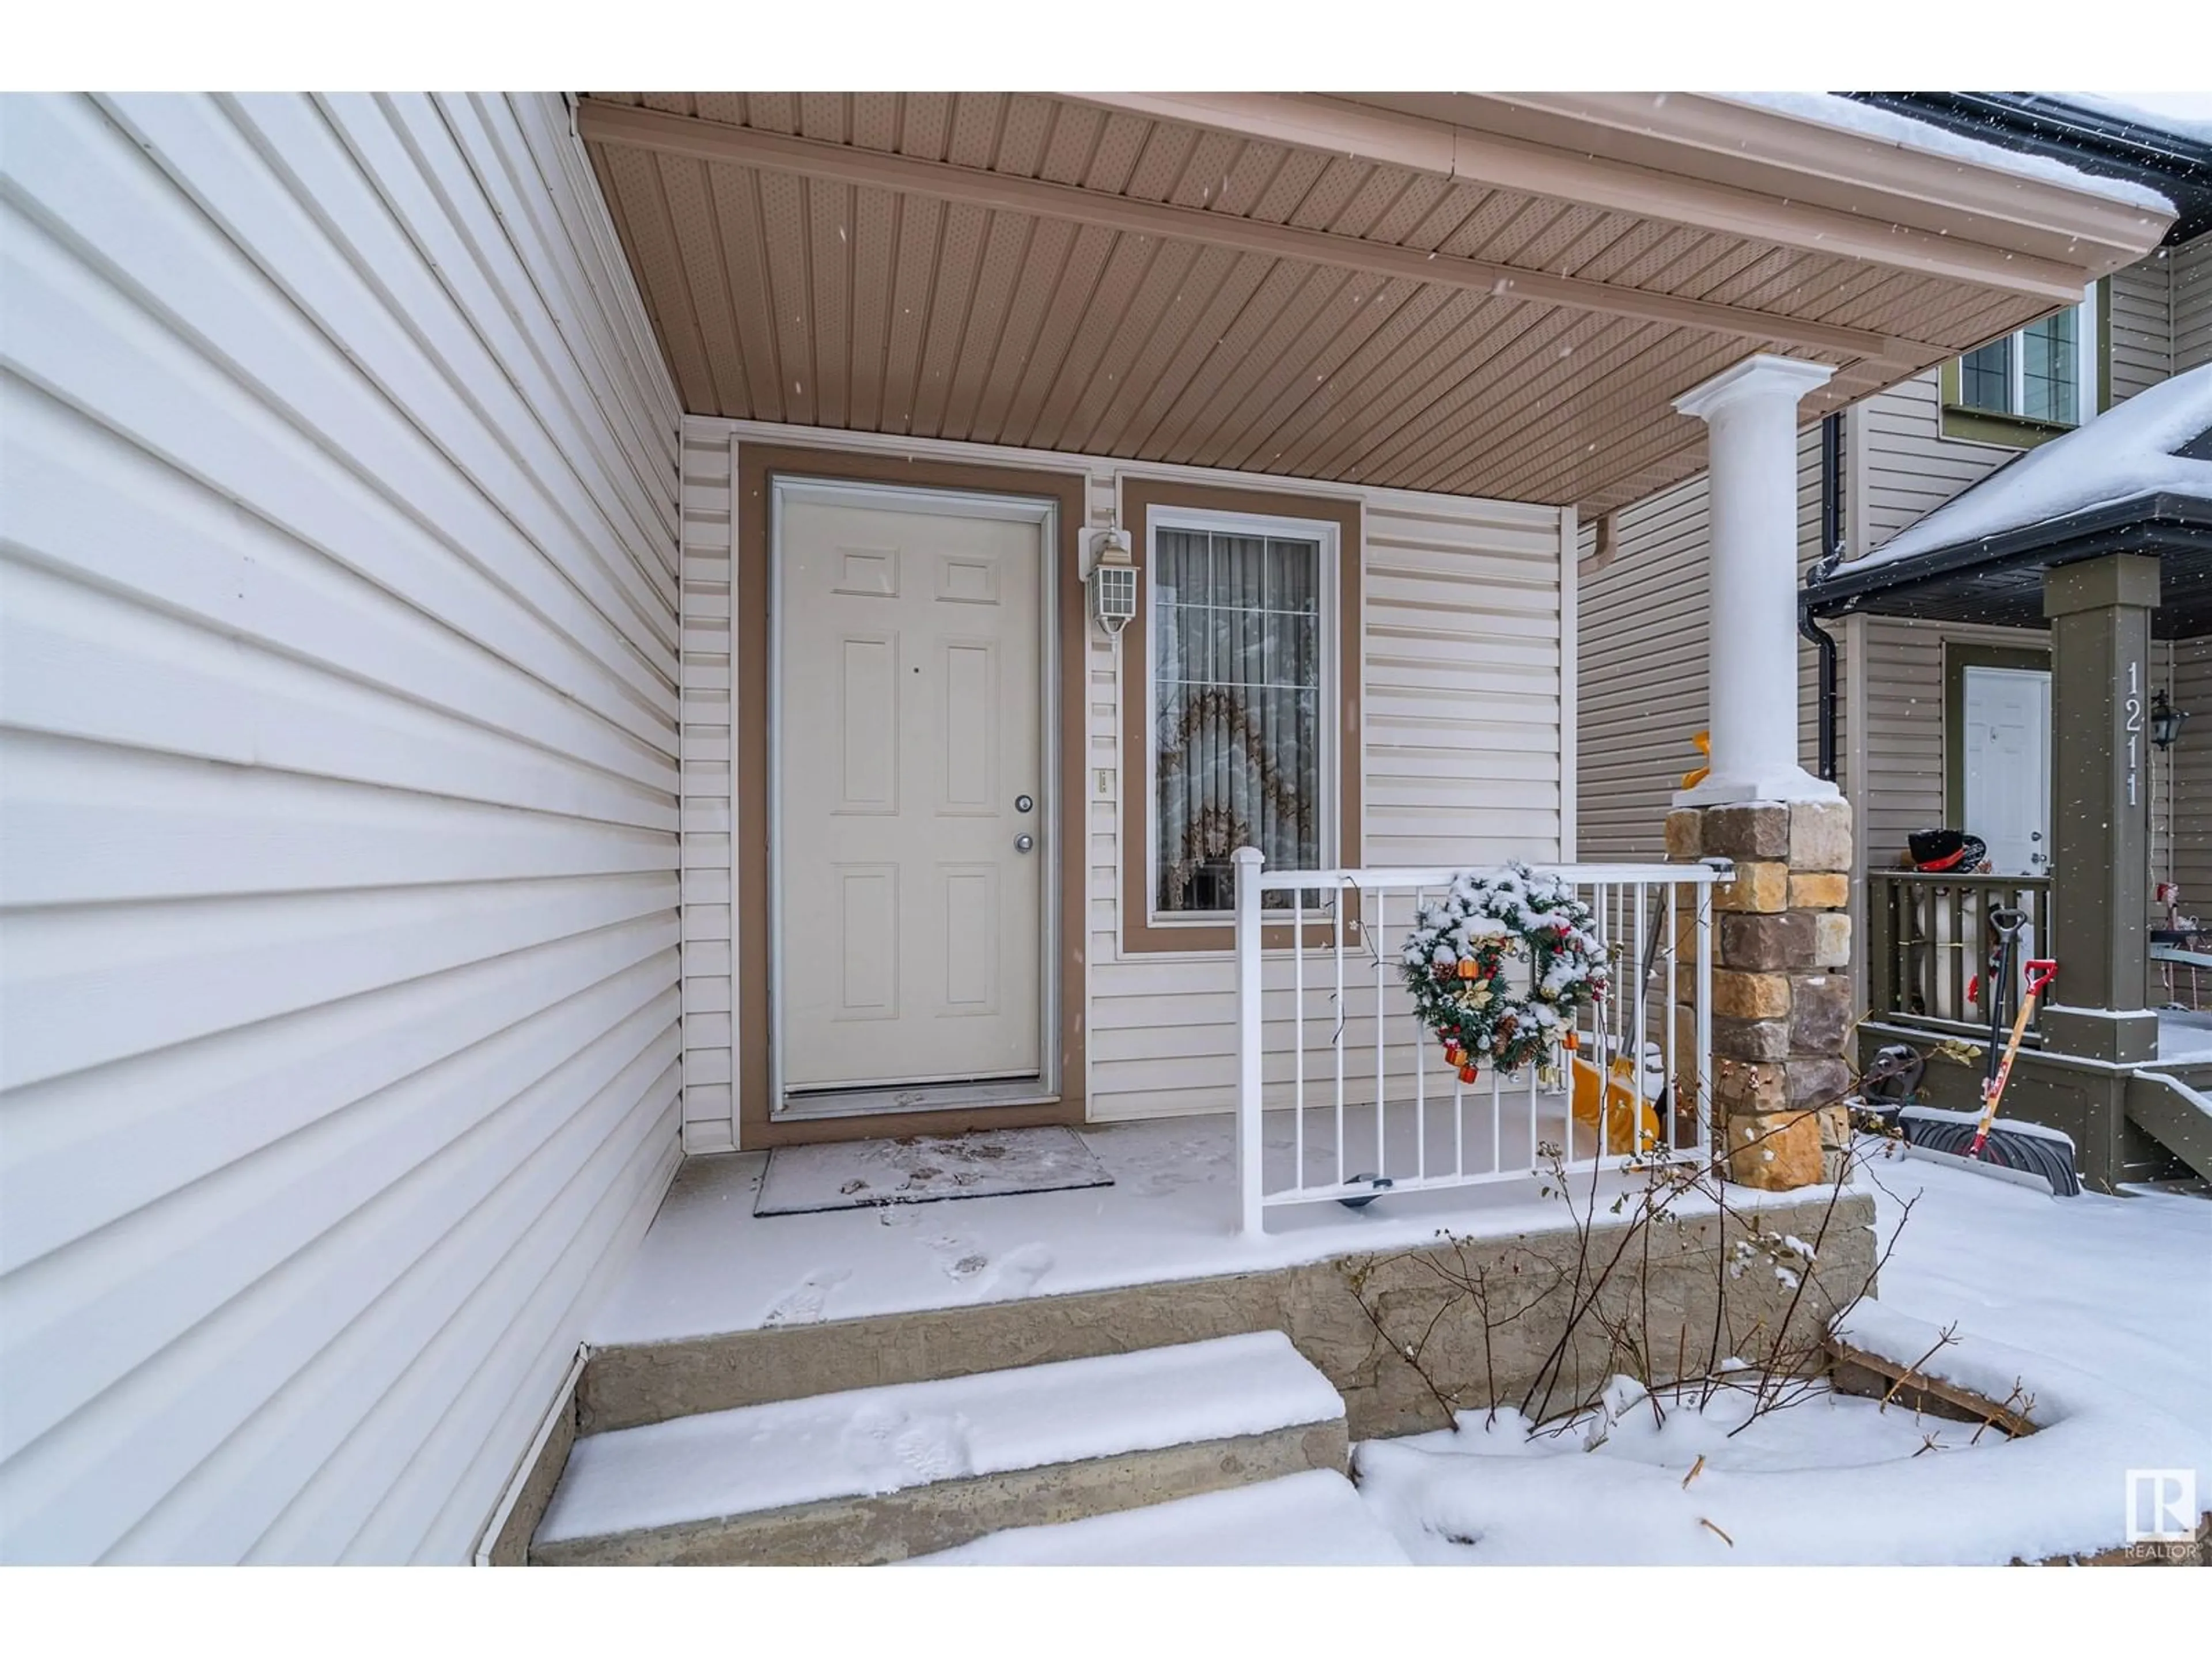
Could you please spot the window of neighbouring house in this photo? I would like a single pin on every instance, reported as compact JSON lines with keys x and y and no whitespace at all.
{"x":2032,"y":382}
{"x":1243,"y":626}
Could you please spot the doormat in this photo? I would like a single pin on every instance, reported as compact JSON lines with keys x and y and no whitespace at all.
{"x":857,"y":1175}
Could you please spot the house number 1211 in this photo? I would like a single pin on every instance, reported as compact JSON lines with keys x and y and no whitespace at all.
{"x":2132,"y":708}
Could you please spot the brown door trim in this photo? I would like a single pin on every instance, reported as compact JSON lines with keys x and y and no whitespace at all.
{"x":757,"y":467}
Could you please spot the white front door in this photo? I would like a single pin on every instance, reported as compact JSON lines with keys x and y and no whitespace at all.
{"x":911,"y":841}
{"x":2008,"y":767}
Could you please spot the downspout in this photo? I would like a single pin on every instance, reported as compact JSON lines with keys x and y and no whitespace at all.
{"x":1831,"y":555}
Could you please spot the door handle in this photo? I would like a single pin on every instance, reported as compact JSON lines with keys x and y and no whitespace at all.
{"x":1023,"y":843}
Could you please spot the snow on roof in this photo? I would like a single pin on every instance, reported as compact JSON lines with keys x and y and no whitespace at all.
{"x":2121,"y":454}
{"x":2196,"y":126}
{"x":1849,"y":116}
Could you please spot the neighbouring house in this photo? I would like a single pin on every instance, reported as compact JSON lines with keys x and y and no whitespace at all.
{"x":2098,"y":547}
{"x":1939,"y":711}
{"x":548,"y":639}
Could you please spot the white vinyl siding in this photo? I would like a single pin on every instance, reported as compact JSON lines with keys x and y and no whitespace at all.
{"x":709,"y":966}
{"x":1461,"y":690}
{"x":1463,"y":680}
{"x":338,"y":785}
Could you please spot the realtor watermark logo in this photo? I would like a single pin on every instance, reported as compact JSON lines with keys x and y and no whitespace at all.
{"x":2162,"y":1506}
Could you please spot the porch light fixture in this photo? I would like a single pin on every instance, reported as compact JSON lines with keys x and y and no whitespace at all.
{"x":1113,"y":582}
{"x":2165,"y":719}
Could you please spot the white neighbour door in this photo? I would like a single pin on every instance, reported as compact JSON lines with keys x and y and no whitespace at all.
{"x":911,"y":841}
{"x":2008,"y":767}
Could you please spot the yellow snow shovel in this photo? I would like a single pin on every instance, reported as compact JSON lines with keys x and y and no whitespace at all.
{"x":1630,"y":1125}
{"x":1705,"y":742}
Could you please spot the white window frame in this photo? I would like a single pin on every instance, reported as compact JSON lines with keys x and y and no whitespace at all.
{"x":2086,"y":388}
{"x":1330,"y":622}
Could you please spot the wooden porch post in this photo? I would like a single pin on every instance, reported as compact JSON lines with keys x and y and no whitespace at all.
{"x":2099,"y":612}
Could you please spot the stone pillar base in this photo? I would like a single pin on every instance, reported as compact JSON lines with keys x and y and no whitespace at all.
{"x":1781,"y":987}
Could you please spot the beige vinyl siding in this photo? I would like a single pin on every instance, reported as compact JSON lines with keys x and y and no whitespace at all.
{"x":1903,"y":788}
{"x":1907,"y":728}
{"x":1461,"y":692}
{"x":337,"y":815}
{"x":1905,"y":733}
{"x":1912,"y":468}
{"x":2188,"y":852}
{"x":2189,"y":269}
{"x":2142,"y":327}
{"x":1642,"y":643}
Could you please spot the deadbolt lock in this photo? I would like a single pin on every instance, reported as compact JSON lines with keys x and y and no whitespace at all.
{"x":1023,"y":804}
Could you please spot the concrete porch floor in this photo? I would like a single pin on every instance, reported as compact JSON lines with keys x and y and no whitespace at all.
{"x":709,"y":1266}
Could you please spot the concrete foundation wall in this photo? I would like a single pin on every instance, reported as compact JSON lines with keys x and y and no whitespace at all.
{"x":1681,"y":1283}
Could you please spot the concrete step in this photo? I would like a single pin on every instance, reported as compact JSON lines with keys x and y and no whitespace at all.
{"x":873,"y":1475}
{"x":1312,"y":1519}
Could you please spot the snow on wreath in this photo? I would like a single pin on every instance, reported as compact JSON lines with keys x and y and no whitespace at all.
{"x":1455,"y":964}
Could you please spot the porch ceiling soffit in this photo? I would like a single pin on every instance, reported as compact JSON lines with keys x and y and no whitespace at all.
{"x":1705,"y":160}
{"x":1037,"y":272}
{"x":1003,"y":193}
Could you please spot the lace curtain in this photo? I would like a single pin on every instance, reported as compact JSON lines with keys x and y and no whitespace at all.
{"x":1237,"y":690}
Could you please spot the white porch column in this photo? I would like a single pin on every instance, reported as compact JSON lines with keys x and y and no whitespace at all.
{"x":1751,"y":411}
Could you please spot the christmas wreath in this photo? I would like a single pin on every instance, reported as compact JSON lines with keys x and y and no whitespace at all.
{"x":1502,"y":967}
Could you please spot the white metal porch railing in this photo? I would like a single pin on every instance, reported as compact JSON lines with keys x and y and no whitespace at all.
{"x":1339,"y":1083}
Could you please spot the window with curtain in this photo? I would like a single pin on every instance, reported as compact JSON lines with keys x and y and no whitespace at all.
{"x":2035,"y":373}
{"x":1240,"y":700}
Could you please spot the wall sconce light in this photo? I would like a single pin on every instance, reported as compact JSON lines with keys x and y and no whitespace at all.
{"x":1113,"y":582}
{"x":2165,"y":719}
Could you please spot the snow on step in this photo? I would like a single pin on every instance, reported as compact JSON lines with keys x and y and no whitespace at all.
{"x":870,"y":1441}
{"x":1311,"y":1520}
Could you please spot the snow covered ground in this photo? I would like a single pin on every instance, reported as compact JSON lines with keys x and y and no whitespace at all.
{"x":2119,"y":1288}
{"x":2100,"y":1307}
{"x":2183,"y":1034}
